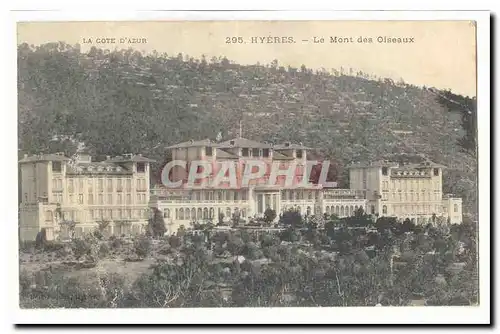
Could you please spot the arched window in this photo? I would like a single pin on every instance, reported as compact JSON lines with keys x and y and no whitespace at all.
{"x":205,"y":213}
{"x":212,"y":213}
{"x":181,"y":213}
{"x":351,"y":210}
{"x":228,"y":213}
{"x":337,"y":210}
{"x":166,"y":213}
{"x":187,"y":213}
{"x":328,"y":210}
{"x":310,"y":195}
{"x":308,"y":210}
{"x":199,"y":213}
{"x":193,"y":214}
{"x":243,"y":213}
{"x":342,"y":211}
{"x":384,"y":209}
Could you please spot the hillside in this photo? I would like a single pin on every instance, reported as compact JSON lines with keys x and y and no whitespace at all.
{"x":123,"y":101}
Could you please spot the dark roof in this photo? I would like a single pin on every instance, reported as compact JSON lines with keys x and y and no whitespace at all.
{"x":130,"y":158}
{"x":281,"y":156}
{"x":290,"y":146}
{"x":107,"y":168}
{"x":408,"y":166}
{"x":243,"y":142}
{"x":193,"y":143}
{"x":226,"y":155}
{"x":44,"y":157}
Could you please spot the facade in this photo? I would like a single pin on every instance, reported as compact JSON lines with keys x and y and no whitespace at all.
{"x":382,"y":189}
{"x":411,"y":191}
{"x":206,"y":202}
{"x":58,"y":192}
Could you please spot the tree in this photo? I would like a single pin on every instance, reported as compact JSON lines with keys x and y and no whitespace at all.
{"x":142,"y":247}
{"x":291,"y":218}
{"x":80,"y":248}
{"x":102,"y":225}
{"x":221,"y":218}
{"x":157,"y":223}
{"x":269,"y":215}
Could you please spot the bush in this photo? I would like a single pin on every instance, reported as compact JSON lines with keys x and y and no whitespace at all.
{"x":142,"y":247}
{"x":80,"y":248}
{"x":51,"y":246}
{"x":115,"y":243}
{"x":103,"y":251}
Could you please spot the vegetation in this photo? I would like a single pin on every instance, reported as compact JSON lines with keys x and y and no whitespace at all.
{"x":67,"y":97}
{"x":371,"y":262}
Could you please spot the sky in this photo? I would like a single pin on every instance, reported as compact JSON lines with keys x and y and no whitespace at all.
{"x":442,"y":54}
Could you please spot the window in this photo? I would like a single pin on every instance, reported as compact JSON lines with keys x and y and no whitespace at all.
{"x":372,"y":208}
{"x":119,"y":185}
{"x":100,"y":183}
{"x":90,"y":184}
{"x":90,"y":199}
{"x":80,"y":198}
{"x":208,"y":151}
{"x":71,"y":186}
{"x":56,"y":166}
{"x":71,"y":199}
{"x":455,"y":208}
{"x":110,"y":198}
{"x":141,"y":167}
{"x":119,"y":198}
{"x":129,"y":184}
{"x":255,"y":152}
{"x":384,"y":209}
{"x":25,"y":197}
{"x":110,"y":185}
{"x":129,"y":199}
{"x":100,"y":199}
{"x":244,"y":152}
{"x":299,"y":154}
{"x":265,"y":153}
{"x":436,"y":171}
{"x":385,"y":170}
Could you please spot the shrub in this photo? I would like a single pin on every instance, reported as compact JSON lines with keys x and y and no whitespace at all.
{"x":116,"y":243}
{"x":103,"y":250}
{"x":142,"y":247}
{"x":80,"y":248}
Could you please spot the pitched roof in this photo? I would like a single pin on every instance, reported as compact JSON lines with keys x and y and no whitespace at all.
{"x":287,"y":146}
{"x":193,"y":143}
{"x":243,"y":142}
{"x":44,"y":157}
{"x":106,"y":167}
{"x":281,"y":156}
{"x":226,"y":155}
{"x":130,"y":158}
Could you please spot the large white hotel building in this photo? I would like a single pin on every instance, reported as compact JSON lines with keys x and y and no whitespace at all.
{"x":56,"y":190}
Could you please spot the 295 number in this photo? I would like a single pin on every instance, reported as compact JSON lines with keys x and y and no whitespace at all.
{"x":234,"y":40}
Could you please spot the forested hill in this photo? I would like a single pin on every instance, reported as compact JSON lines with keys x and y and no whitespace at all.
{"x":123,"y":101}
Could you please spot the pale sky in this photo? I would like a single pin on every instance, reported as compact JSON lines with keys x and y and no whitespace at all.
{"x":443,"y":54}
